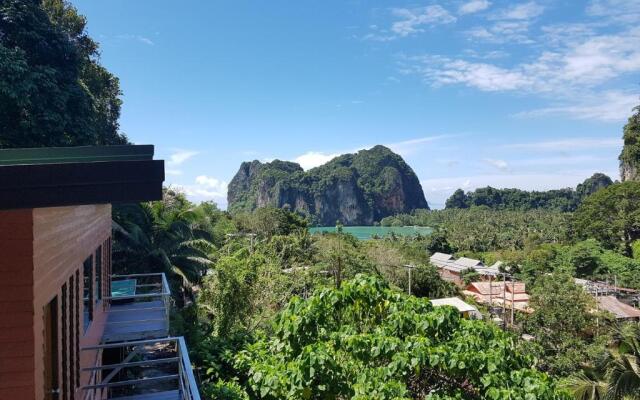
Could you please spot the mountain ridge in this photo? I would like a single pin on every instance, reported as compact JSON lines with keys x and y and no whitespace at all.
{"x":355,"y":189}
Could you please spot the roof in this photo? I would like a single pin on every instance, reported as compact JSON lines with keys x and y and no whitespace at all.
{"x":617,"y":308}
{"x":469,"y":262}
{"x":51,"y":177}
{"x":498,"y":288}
{"x":458,"y":303}
{"x":441,"y":256}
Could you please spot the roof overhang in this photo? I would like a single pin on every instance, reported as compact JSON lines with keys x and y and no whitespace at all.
{"x":52,"y":177}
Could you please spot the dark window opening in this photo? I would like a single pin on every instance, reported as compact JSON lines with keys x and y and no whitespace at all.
{"x":72,"y":335}
{"x":64,"y":321}
{"x":87,"y":274}
{"x":98,"y":274}
{"x":77,"y":327}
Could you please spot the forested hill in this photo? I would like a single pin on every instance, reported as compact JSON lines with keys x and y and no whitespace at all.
{"x":516,"y":199}
{"x":355,"y":189}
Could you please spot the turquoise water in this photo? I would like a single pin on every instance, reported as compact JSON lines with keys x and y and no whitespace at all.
{"x":366,"y":232}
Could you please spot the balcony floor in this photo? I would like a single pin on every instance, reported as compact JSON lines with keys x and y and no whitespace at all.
{"x":170,"y":395}
{"x":136,"y":321}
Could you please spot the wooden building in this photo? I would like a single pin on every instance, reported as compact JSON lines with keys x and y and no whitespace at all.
{"x":55,"y":261}
{"x":512,"y":294}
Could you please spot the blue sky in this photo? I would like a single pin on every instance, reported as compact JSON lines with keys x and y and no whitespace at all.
{"x":528,"y":94}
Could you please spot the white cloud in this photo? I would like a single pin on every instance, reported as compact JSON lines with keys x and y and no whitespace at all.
{"x":207,"y":188}
{"x":609,"y":106}
{"x":567,"y":144}
{"x":522,"y":11}
{"x":502,"y":165}
{"x":440,"y":71}
{"x":312,"y":159}
{"x":620,"y":11}
{"x":139,"y":38}
{"x":173,"y":172}
{"x":410,"y":146}
{"x":474,"y":6}
{"x":413,"y":20}
{"x":180,"y":156}
{"x":572,"y":73}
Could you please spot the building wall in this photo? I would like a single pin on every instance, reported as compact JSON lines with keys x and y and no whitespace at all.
{"x":16,"y":305}
{"x":63,"y":238}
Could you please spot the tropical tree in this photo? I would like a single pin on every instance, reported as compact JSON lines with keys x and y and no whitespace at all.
{"x":623,"y":373}
{"x":365,"y":341}
{"x":612,"y":216}
{"x":53,"y":90}
{"x":161,"y":236}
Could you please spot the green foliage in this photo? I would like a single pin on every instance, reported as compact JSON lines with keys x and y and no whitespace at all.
{"x":161,"y":236}
{"x":480,"y":229}
{"x":612,"y":216}
{"x":561,"y":200}
{"x":630,"y":155}
{"x":53,"y":90}
{"x":269,"y":221}
{"x":562,"y":323}
{"x":366,"y":341}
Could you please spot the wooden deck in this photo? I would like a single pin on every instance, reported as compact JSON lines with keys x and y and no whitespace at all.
{"x":170,"y":395}
{"x":136,"y":321}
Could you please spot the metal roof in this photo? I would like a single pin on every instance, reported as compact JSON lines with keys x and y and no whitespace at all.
{"x":53,"y":177}
{"x":63,"y":155}
{"x":459,"y":304}
{"x":617,"y":308}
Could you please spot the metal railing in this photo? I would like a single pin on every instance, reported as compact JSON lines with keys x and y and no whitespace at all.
{"x":147,"y":288}
{"x":130,"y":375}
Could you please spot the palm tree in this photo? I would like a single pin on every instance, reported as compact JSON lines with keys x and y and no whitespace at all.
{"x":624,"y":370}
{"x":156,"y":236}
{"x":587,"y":385}
{"x":617,"y":376}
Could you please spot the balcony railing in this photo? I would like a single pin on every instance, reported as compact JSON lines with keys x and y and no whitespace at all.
{"x":138,"y":307}
{"x":149,"y":369}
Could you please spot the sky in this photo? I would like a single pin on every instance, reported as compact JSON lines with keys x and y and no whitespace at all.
{"x":526,"y":94}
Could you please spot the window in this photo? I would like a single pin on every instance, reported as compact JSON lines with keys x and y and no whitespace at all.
{"x":72,"y":325}
{"x":65,"y":353}
{"x":87,"y":274}
{"x":77,"y":327}
{"x":98,"y":295}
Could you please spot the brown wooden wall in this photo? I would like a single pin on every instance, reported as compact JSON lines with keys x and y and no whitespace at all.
{"x":16,"y":305}
{"x":63,"y":238}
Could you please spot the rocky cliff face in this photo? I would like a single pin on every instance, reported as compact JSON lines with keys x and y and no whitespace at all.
{"x":355,"y":189}
{"x":630,"y":156}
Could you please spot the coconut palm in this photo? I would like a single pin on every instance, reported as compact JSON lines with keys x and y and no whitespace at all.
{"x":152,"y":237}
{"x":624,"y":370}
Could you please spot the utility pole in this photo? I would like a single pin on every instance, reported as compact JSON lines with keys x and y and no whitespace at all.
{"x":513,"y":307}
{"x":409,"y":267}
{"x":504,"y":301}
{"x":490,"y":296}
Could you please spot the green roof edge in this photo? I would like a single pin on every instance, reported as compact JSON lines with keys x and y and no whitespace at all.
{"x":63,"y":155}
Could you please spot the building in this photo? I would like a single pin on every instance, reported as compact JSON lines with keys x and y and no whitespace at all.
{"x":465,"y":309}
{"x":69,"y":328}
{"x":499,"y":292}
{"x":451,"y":269}
{"x":619,"y":309}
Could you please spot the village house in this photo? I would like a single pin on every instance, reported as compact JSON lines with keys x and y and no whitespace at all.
{"x":465,"y":309}
{"x":451,"y":269}
{"x":497,"y":293}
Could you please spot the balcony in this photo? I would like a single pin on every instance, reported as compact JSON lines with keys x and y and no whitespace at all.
{"x":139,"y":308}
{"x":157,"y":369}
{"x":137,"y":360}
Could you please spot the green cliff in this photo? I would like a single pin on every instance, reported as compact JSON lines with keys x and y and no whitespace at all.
{"x":355,"y":189}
